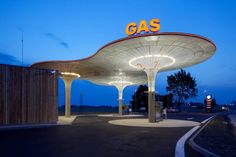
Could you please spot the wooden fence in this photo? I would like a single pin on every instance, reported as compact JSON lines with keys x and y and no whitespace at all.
{"x":27,"y":95}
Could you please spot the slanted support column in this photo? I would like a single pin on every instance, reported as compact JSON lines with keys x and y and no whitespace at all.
{"x":68,"y":81}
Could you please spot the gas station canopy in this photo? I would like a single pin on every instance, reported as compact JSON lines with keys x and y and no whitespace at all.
{"x":126,"y":60}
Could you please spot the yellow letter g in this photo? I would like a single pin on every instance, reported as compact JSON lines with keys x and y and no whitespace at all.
{"x":131,"y":28}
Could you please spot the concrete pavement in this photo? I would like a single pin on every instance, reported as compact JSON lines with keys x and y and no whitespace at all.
{"x":167,"y":123}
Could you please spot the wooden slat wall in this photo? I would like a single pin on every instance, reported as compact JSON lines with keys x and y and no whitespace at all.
{"x":27,"y":95}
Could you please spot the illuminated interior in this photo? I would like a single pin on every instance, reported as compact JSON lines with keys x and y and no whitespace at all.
{"x":70,"y":74}
{"x":152,"y":61}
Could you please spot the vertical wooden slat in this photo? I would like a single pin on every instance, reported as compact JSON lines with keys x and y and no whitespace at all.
{"x":27,"y":95}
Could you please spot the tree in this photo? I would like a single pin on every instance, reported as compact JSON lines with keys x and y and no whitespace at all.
{"x":213,"y":103}
{"x":140,"y":98}
{"x":182,"y":85}
{"x":233,"y":102}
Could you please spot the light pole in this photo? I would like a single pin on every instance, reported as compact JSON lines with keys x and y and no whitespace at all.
{"x":135,"y":100}
{"x":168,"y":99}
{"x":80,"y":102}
{"x":81,"y":99}
{"x":22,"y":45}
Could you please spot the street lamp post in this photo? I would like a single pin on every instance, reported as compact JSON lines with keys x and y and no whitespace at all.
{"x":135,"y":100}
{"x":81,"y":99}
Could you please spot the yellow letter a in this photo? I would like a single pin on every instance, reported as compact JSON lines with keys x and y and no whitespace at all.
{"x":142,"y":27}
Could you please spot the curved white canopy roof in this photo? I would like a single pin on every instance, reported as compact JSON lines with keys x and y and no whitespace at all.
{"x":124,"y":60}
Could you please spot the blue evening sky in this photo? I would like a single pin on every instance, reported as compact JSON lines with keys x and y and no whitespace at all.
{"x":74,"y":29}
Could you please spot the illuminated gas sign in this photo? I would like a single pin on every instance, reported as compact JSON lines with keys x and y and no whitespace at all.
{"x":208,"y":102}
{"x":153,"y":26}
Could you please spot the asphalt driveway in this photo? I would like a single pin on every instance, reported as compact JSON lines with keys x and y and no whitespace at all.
{"x":91,"y":136}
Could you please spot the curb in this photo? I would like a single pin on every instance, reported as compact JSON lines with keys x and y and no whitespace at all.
{"x":179,"y":149}
{"x":197,"y":147}
{"x":232,"y":118}
{"x":180,"y":145}
{"x":42,"y":125}
{"x":26,"y":126}
{"x":62,"y":120}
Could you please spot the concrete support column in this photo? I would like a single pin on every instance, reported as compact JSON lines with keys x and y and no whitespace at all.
{"x":68,"y":81}
{"x":120,"y":85}
{"x":120,"y":90}
{"x":151,"y":107}
{"x":151,"y":75}
{"x":120,"y":107}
